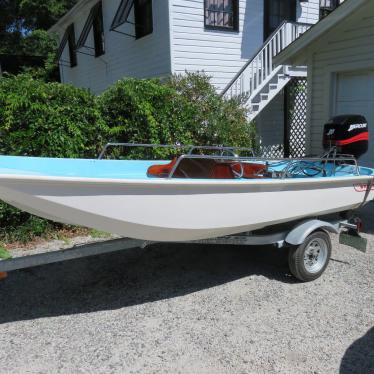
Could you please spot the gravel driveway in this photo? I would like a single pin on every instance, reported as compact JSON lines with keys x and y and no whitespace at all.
{"x":190,"y":309}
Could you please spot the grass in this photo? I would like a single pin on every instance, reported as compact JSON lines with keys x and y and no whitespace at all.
{"x":36,"y":231}
{"x":19,"y":229}
{"x":99,"y":234}
{"x":4,"y":254}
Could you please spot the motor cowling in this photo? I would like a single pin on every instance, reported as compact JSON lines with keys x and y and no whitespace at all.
{"x":348,"y":133}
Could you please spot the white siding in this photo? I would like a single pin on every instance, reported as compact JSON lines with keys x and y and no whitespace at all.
{"x":220,"y":54}
{"x":308,"y":12}
{"x":125,"y":56}
{"x":346,"y":48}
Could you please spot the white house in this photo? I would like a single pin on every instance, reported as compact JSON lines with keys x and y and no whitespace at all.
{"x":339,"y":53}
{"x":233,"y":41}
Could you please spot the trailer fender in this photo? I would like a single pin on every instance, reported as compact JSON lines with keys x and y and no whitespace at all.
{"x":300,"y":232}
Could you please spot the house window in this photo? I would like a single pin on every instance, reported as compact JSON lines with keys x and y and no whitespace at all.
{"x":222,"y":14}
{"x":143,"y":18}
{"x":327,"y":6}
{"x":277,"y":11}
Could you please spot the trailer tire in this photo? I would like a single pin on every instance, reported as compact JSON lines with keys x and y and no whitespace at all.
{"x":309,"y":260}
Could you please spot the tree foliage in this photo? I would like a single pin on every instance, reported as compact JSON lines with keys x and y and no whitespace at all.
{"x":23,"y":25}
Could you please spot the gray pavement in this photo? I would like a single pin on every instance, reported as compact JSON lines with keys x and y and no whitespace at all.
{"x":190,"y":309}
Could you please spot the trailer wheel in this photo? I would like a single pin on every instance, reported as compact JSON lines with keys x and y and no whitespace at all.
{"x":309,"y":260}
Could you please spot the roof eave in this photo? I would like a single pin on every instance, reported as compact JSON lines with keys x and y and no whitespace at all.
{"x":64,"y":20}
{"x":299,"y":45}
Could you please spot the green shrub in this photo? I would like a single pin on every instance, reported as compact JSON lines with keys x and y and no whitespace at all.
{"x":142,"y":111}
{"x":185,"y":109}
{"x":211,"y":119}
{"x":45,"y":119}
{"x":48,"y":119}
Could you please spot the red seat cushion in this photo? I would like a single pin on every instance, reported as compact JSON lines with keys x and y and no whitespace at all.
{"x":222,"y":171}
{"x":250,"y":170}
{"x":161,"y":171}
{"x":206,"y":169}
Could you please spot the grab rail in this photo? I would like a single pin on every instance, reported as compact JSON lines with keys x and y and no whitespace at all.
{"x":330,"y":156}
{"x":190,"y":147}
{"x":285,"y":172}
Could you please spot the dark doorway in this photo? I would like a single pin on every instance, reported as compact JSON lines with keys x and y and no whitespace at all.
{"x":277,"y":11}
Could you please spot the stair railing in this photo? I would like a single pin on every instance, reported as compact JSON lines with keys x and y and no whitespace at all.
{"x":260,"y":67}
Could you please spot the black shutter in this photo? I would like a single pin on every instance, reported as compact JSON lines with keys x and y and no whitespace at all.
{"x":143,"y":18}
{"x":68,"y":38}
{"x":98,"y":31}
{"x":94,"y":21}
{"x":72,"y":46}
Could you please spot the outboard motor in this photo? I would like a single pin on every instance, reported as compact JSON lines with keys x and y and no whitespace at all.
{"x":348,"y":133}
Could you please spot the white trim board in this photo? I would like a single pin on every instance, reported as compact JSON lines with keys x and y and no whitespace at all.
{"x":299,"y":46}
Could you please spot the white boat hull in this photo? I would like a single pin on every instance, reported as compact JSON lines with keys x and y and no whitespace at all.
{"x":180,"y":209}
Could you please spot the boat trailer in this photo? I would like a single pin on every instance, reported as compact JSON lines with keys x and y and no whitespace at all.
{"x":308,"y":242}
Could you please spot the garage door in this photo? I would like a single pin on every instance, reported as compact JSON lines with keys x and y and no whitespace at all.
{"x":355,"y":95}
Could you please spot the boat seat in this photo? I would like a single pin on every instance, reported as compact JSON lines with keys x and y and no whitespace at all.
{"x":207,"y":169}
{"x":161,"y":171}
{"x":251,"y":170}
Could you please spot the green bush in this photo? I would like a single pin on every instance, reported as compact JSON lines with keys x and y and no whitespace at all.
{"x":45,"y":119}
{"x":48,"y":119}
{"x":143,"y":111}
{"x":185,"y":109}
{"x":211,"y":119}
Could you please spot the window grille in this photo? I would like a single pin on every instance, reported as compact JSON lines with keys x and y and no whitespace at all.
{"x":222,"y":14}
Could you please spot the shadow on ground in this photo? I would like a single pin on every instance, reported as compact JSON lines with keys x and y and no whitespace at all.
{"x":138,"y":276}
{"x":359,"y":357}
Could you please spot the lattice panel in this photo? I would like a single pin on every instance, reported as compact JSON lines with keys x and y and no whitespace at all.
{"x":272,"y":151}
{"x":296,"y":117}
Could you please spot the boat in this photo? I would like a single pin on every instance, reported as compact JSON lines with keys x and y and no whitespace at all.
{"x":204,"y":193}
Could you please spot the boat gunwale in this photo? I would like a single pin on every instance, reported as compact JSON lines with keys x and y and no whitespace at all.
{"x":186,"y":181}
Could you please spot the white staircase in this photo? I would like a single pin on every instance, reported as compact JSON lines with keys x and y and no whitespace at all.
{"x":259,"y":79}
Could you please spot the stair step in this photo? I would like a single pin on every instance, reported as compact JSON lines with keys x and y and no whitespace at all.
{"x":255,"y":107}
{"x":273,"y":86}
{"x":264,"y":96}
